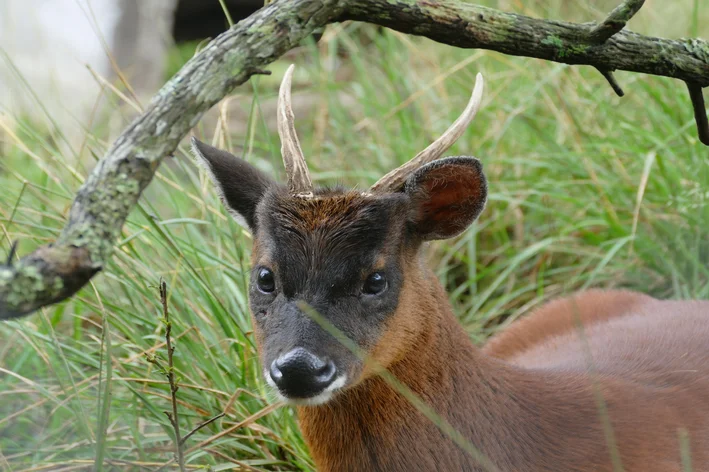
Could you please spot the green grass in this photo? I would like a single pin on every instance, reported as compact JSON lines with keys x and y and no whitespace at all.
{"x":587,"y":189}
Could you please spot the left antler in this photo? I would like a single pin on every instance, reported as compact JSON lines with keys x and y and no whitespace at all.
{"x":299,"y":181}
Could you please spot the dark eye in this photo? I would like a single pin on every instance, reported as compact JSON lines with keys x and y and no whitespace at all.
{"x":375,"y":284}
{"x":265,"y":281}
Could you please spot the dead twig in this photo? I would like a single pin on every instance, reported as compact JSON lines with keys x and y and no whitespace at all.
{"x":700,"y":111}
{"x":169,"y":372}
{"x":202,"y":425}
{"x":11,"y":254}
{"x":611,"y":80}
{"x":173,"y":381}
{"x":615,"y":21}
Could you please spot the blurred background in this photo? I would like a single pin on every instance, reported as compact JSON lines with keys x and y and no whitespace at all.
{"x":62,"y":54}
{"x":587,"y":190}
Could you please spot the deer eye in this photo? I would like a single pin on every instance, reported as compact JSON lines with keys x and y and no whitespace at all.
{"x":265,"y":281}
{"x":375,"y":284}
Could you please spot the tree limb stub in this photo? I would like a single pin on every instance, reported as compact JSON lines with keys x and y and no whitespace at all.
{"x":612,"y":82}
{"x":55,"y":272}
{"x":700,"y":111}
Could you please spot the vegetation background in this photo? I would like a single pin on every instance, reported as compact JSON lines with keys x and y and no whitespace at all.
{"x":587,"y":189}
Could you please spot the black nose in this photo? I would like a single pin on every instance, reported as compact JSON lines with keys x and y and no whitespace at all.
{"x":301,"y":374}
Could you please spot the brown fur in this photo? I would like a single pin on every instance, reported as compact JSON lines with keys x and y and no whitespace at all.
{"x":544,"y":395}
{"x":527,"y":400}
{"x":329,"y":211}
{"x":562,"y":316}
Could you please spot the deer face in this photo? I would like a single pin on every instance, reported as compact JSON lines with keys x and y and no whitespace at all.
{"x":337,"y":254}
{"x":344,"y":255}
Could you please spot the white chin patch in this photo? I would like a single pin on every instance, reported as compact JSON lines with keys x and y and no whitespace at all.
{"x":319,"y":399}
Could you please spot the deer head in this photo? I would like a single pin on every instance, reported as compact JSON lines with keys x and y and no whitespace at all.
{"x":352,"y":256}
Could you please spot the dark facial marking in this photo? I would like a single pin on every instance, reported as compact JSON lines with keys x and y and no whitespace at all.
{"x":340,"y":254}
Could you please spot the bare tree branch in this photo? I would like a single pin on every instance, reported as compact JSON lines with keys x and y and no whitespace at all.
{"x":472,"y":26}
{"x":611,"y":80}
{"x":616,"y":20}
{"x":55,"y":272}
{"x":700,"y":113}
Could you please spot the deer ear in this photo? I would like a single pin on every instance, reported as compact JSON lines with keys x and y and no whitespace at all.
{"x":447,"y":195}
{"x":239,"y":184}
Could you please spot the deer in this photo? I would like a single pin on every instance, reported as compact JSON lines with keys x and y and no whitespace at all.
{"x":599,"y":380}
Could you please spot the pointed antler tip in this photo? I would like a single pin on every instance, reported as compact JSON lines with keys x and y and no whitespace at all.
{"x":287,"y":80}
{"x":435,"y":150}
{"x":479,"y":86}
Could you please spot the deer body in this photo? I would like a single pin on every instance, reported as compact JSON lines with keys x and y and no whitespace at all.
{"x":544,"y":395}
{"x":532,"y":407}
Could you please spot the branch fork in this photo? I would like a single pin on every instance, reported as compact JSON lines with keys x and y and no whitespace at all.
{"x":615,"y":21}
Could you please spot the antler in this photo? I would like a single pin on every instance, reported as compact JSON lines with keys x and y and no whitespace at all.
{"x":396,"y":178}
{"x":299,"y":181}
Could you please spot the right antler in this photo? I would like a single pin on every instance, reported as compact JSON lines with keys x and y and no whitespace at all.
{"x":393,"y":181}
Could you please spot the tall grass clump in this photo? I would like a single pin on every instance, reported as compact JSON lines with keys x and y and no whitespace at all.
{"x":587,"y":190}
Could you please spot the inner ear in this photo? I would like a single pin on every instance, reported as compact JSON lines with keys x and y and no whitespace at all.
{"x":447,"y":195}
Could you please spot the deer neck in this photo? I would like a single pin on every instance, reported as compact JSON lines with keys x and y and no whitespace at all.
{"x":373,"y":427}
